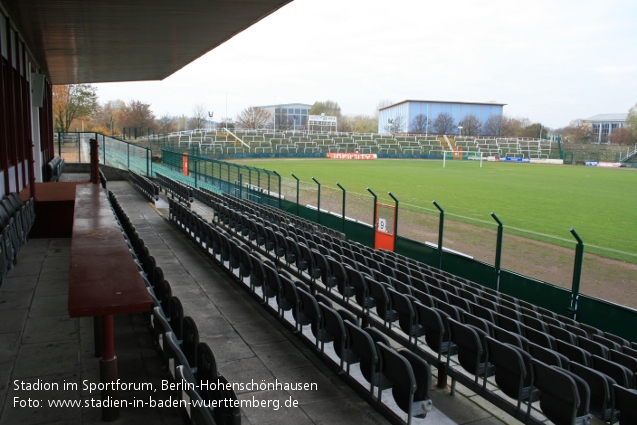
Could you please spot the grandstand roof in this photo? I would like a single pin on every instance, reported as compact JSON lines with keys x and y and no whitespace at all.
{"x":80,"y":41}
{"x":608,"y":117}
{"x":442,"y":101}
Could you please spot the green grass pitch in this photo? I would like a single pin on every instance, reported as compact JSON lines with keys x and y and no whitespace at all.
{"x":599,"y":203}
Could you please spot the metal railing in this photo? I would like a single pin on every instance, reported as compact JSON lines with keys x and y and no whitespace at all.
{"x":74,"y":148}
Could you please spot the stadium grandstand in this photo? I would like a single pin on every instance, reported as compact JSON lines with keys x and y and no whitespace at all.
{"x":208,"y":302}
{"x":238,"y":143}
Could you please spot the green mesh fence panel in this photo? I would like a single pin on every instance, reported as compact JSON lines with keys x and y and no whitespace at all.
{"x":608,"y":317}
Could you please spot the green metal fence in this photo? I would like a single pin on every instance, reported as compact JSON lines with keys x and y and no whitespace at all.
{"x":331,"y":207}
{"x":582,"y":153}
{"x":242,"y":181}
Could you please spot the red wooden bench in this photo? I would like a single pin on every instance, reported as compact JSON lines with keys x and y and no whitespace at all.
{"x":104,"y":279}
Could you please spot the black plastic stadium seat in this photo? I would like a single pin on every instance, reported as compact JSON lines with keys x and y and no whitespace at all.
{"x":361,"y":291}
{"x":196,"y":412}
{"x":573,"y":352}
{"x":471,"y":353}
{"x":334,"y":325}
{"x":540,"y":338}
{"x":410,"y":379}
{"x":362,"y":345}
{"x":564,"y":398}
{"x":622,"y":375}
{"x":624,"y":360}
{"x":626,"y":404}
{"x":600,"y":386}
{"x":437,"y":334}
{"x":548,"y":356}
{"x":592,"y":347}
{"x":378,"y":292}
{"x":402,"y":304}
{"x":258,"y":277}
{"x":512,"y":370}
{"x":309,"y":308}
{"x":290,"y":301}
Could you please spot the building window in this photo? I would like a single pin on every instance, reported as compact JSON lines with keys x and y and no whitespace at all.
{"x":605,"y":131}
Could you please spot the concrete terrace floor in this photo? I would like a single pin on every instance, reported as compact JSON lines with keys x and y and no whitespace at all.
{"x":38,"y":340}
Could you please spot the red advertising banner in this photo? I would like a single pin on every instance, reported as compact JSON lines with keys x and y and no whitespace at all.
{"x":351,"y":155}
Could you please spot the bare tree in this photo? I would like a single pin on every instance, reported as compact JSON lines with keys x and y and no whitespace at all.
{"x":622,"y":136}
{"x":577,"y":131}
{"x":443,"y":124}
{"x":167,"y":123}
{"x":253,"y":118}
{"x":137,"y":114}
{"x":358,"y":124}
{"x":420,"y":124}
{"x":382,"y":104}
{"x":631,"y":120}
{"x":329,"y":108}
{"x":471,"y":125}
{"x":395,"y":125}
{"x":198,"y":119}
{"x":226,"y":122}
{"x":494,"y":125}
{"x":514,"y":127}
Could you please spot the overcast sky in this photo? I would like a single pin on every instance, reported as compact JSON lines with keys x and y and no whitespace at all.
{"x":549,"y":60}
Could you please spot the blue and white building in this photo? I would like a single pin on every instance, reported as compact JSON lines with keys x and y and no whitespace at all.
{"x":407,"y":110}
{"x":288,"y":115}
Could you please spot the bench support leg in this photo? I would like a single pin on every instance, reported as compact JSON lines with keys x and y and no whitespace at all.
{"x":108,"y":369}
{"x":442,"y":376}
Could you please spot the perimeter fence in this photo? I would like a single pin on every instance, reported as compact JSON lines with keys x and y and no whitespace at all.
{"x":551,"y":272}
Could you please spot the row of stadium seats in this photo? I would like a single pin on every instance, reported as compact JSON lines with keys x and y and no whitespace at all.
{"x":383,"y":288}
{"x":303,"y":142}
{"x":511,"y":147}
{"x":176,"y":188}
{"x":408,"y":374}
{"x":16,"y":220}
{"x":188,"y":361}
{"x":149,"y":189}
{"x":208,"y":197}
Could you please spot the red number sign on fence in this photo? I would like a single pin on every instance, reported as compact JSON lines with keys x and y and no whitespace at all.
{"x":385,"y":227}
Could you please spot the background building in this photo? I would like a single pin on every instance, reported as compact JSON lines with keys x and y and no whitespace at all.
{"x":604,"y":125}
{"x":288,"y":115}
{"x":407,"y":111}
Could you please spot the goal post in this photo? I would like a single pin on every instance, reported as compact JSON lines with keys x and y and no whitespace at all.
{"x":473,"y":156}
